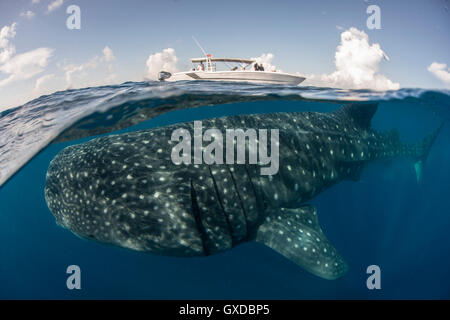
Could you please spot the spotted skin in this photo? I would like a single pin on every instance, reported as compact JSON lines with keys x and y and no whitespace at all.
{"x":125,"y":190}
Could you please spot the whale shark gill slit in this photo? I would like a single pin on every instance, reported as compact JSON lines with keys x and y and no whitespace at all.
{"x":255,"y":194}
{"x":198,"y":220}
{"x":219,"y":199}
{"x":241,"y":204}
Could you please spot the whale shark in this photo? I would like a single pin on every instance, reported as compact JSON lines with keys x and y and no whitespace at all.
{"x":125,"y":190}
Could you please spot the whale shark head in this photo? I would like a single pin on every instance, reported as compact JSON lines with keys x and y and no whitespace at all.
{"x":113,"y":190}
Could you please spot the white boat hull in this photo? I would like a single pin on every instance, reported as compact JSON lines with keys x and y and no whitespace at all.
{"x":239,"y":76}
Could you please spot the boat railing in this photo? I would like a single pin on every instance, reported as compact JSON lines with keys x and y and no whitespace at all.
{"x":210,"y":66}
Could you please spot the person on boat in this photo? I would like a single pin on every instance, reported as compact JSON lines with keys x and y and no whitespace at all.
{"x":234,"y":69}
{"x":256,"y":67}
{"x":261,"y":68}
{"x":201,"y":67}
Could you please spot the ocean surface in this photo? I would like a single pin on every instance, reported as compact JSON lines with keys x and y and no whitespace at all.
{"x":385,"y":219}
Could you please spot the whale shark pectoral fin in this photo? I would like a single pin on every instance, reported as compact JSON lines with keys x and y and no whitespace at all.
{"x":296,"y":234}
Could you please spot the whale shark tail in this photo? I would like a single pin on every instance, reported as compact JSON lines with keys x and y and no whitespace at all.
{"x":423,"y":149}
{"x":362,"y":113}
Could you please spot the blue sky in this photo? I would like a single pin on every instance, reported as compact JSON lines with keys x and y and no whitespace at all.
{"x":303,"y":37}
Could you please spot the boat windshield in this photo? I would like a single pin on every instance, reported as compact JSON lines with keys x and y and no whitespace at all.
{"x":231,"y":64}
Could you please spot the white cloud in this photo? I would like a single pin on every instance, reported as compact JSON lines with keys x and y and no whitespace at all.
{"x":54,"y":5}
{"x":28,"y":14}
{"x":441,"y":71}
{"x":266,"y":60}
{"x":165,"y":60}
{"x":6,"y":33}
{"x":111,"y":78}
{"x":25,"y":65}
{"x":21,"y":66}
{"x":7,"y":50}
{"x":108,"y":54}
{"x":18,"y":68}
{"x":79,"y":72}
{"x":72,"y":69}
{"x":357,"y":64}
{"x":42,"y":82}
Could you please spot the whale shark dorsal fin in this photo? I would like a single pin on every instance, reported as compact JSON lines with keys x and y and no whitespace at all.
{"x":360,"y":113}
{"x":296,"y":234}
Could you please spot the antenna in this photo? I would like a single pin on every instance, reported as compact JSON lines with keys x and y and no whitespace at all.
{"x":198,"y":44}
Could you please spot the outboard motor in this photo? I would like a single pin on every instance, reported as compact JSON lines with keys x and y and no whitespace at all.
{"x":163,"y":75}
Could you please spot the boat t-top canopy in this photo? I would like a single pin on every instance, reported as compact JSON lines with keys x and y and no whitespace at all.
{"x":205,"y":59}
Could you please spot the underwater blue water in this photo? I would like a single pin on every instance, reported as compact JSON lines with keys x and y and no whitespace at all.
{"x":386,"y":218}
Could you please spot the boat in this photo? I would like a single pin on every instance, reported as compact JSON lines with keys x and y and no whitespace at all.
{"x":205,"y":69}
